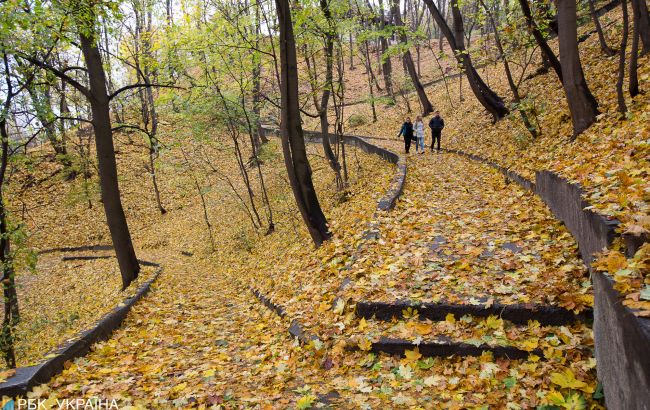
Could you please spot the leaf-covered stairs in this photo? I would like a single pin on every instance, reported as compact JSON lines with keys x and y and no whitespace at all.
{"x":446,"y":329}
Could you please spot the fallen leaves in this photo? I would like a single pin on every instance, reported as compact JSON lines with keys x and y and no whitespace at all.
{"x":567,"y":380}
{"x":493,"y":243}
{"x":5,"y":374}
{"x":460,"y":233}
{"x":631,"y":277}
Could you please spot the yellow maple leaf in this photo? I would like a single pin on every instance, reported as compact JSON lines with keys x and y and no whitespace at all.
{"x":409,"y":313}
{"x":179,"y":387}
{"x":323,"y":307}
{"x":530,"y":344}
{"x":450,"y":318}
{"x":567,"y":380}
{"x":613,"y":262}
{"x":624,"y":178}
{"x":365,"y":345}
{"x":305,"y":402}
{"x":555,"y":397}
{"x":4,"y":375}
{"x":412,"y":355}
{"x":493,"y":322}
{"x":362,"y":324}
{"x":339,"y":306}
{"x":422,"y":328}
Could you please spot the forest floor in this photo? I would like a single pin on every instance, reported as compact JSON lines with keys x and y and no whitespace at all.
{"x":59,"y":298}
{"x":201,"y":338}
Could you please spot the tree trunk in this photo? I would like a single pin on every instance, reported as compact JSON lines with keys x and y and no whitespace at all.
{"x":371,"y":73}
{"x":293,"y":142}
{"x":42,"y":101}
{"x":204,"y":205}
{"x":440,"y":33}
{"x":642,"y":23}
{"x":634,"y":60}
{"x":488,"y":98}
{"x":606,"y":49}
{"x":11,"y":313}
{"x":338,"y":97}
{"x":387,"y":68}
{"x":149,"y":107}
{"x":325,"y":97}
{"x":351,"y":52}
{"x":6,"y":261}
{"x":258,"y":134}
{"x":582,"y":104}
{"x":549,"y":56}
{"x":622,"y":107}
{"x":427,"y":108}
{"x":506,"y":65}
{"x":370,"y":77}
{"x":169,"y":12}
{"x":64,"y":112}
{"x":99,"y":103}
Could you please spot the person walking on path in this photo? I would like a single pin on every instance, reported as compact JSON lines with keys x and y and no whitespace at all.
{"x":436,"y":124}
{"x":407,"y":132}
{"x":419,"y":133}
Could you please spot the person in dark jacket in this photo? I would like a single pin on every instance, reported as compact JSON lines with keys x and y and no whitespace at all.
{"x":407,"y":132}
{"x":436,"y":124}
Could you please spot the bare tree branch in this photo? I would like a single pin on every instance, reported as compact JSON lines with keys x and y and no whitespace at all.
{"x":139,"y":85}
{"x":76,"y":84}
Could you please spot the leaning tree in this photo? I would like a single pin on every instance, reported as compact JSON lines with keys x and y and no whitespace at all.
{"x":486,"y":96}
{"x":293,"y":141}
{"x":582,"y":104}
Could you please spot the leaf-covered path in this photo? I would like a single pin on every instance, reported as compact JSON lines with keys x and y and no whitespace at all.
{"x":463,"y":233}
{"x":460,"y":233}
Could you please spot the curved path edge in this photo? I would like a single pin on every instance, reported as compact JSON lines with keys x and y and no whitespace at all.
{"x":28,"y":377}
{"x":388,"y":201}
{"x":512,"y":175}
{"x":385,"y":204}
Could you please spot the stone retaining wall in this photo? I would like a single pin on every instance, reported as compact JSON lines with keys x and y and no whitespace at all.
{"x":592,"y":231}
{"x":512,"y":175}
{"x":622,"y":339}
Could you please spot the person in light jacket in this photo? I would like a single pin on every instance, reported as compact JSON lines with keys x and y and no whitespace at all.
{"x":419,"y":133}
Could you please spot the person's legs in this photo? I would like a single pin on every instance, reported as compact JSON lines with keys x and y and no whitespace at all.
{"x":407,"y":144}
{"x":421,"y":141}
{"x":435,"y":139}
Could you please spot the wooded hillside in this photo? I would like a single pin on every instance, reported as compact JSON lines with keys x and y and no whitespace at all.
{"x":209,"y":204}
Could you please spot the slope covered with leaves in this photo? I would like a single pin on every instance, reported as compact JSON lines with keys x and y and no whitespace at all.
{"x":60,"y":298}
{"x":610,"y":159}
{"x":202,"y":339}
